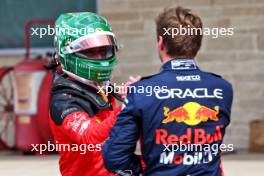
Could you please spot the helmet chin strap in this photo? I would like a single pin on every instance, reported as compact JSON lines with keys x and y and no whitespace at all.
{"x":95,"y":84}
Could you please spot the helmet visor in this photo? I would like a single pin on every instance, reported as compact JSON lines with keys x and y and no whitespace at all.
{"x":102,"y":39}
{"x":102,"y":52}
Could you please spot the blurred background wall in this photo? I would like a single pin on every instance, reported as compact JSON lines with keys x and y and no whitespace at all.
{"x":238,"y":58}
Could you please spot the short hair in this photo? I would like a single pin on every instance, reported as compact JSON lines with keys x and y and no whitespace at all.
{"x":180,"y":46}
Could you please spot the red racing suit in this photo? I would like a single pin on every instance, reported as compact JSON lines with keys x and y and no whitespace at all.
{"x":80,"y":123}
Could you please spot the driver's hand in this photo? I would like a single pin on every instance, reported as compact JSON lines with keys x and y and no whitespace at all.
{"x":132,"y":80}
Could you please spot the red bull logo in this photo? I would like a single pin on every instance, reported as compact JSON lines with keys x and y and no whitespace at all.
{"x":191,"y":113}
{"x":196,"y":136}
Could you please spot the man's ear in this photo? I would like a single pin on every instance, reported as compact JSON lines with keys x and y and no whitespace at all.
{"x":160,"y":43}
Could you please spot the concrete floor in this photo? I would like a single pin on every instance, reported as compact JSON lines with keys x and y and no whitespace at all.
{"x":14,"y":164}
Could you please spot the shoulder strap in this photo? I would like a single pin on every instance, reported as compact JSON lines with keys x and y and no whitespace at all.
{"x":62,"y":85}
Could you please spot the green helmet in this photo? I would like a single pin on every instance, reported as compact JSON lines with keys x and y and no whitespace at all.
{"x":86,"y":46}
